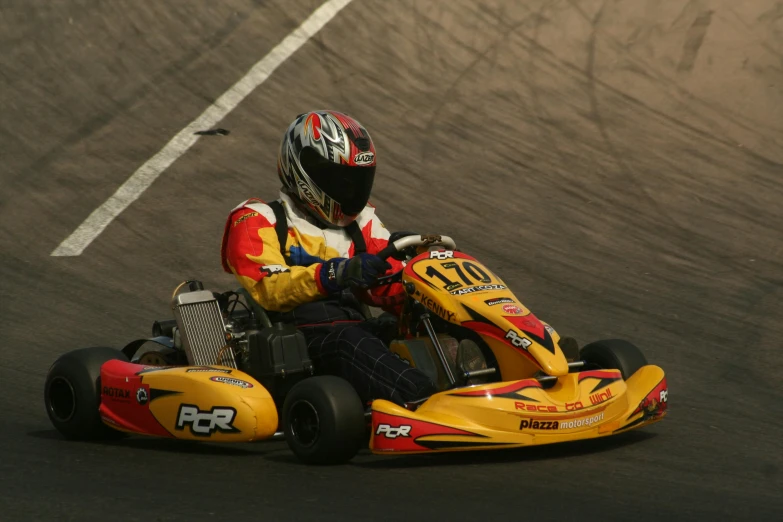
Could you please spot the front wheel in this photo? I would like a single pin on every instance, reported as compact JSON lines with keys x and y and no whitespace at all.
{"x":614,"y":354}
{"x":72,"y":393}
{"x":323,"y":420}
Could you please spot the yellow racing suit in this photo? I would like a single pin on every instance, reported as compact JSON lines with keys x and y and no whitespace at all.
{"x":337,"y":344}
{"x":251,"y":251}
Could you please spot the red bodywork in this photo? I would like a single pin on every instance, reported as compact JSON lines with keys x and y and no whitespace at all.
{"x":125,"y":399}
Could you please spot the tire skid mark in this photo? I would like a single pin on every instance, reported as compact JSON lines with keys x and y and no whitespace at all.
{"x":652,"y":72}
{"x":672,"y":120}
{"x":542,"y":115}
{"x":693,"y":40}
{"x":693,"y":237}
{"x":624,"y":166}
{"x":481,"y":56}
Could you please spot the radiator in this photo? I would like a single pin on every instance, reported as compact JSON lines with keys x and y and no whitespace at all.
{"x":202,"y":330}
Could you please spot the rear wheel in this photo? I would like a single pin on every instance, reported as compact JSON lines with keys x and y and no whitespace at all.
{"x":323,"y":420}
{"x":72,"y":393}
{"x":613,"y":354}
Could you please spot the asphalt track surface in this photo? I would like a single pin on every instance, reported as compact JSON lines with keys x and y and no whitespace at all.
{"x":618,"y":163}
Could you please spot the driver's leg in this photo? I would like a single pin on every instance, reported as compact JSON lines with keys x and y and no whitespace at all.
{"x":362,"y":359}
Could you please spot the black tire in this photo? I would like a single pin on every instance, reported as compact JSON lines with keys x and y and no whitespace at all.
{"x":614,"y":354}
{"x":323,"y":420}
{"x":72,"y":394}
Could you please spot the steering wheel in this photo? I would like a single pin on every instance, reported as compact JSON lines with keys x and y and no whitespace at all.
{"x":404,"y":243}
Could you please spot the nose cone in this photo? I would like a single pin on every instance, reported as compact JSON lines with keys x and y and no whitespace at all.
{"x":534,"y":337}
{"x":551,"y":363}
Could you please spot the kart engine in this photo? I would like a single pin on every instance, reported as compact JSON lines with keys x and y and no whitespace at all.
{"x":211,"y":332}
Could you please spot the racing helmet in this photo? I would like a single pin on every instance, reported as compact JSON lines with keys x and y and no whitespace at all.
{"x":327,"y":163}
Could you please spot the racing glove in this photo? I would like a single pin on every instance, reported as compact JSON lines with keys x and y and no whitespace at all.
{"x":360,"y":271}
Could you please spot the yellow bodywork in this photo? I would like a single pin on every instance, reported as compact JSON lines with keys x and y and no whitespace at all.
{"x":520,"y":411}
{"x":207,"y":403}
{"x":524,"y":416}
{"x":457,"y":289}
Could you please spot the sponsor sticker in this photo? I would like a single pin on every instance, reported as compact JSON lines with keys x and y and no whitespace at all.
{"x":581,"y":423}
{"x":512,"y":309}
{"x":479,"y":288}
{"x":205,"y":423}
{"x":307,"y":192}
{"x":535,"y":407}
{"x":364,"y":158}
{"x":542,"y":408}
{"x":517,"y":340}
{"x":530,"y":424}
{"x":499,"y":300}
{"x":244,"y":217}
{"x":437,"y":308}
{"x":392,"y":432}
{"x":598,"y":398}
{"x":117,"y":394}
{"x":274,"y":269}
{"x":232,"y":381}
{"x":656,"y":402}
{"x":142,"y":397}
{"x":442,"y":254}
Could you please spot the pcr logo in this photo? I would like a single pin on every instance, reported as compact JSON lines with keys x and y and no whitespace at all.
{"x":392,"y":432}
{"x":205,"y":423}
{"x":517,"y":340}
{"x":441,"y":254}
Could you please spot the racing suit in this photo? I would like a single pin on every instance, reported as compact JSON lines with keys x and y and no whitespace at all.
{"x":290,"y":284}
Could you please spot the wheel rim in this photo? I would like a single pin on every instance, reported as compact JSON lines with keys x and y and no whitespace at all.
{"x":304,"y":423}
{"x":62,"y":399}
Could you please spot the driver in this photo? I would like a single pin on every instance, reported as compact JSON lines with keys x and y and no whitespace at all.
{"x":297,"y":255}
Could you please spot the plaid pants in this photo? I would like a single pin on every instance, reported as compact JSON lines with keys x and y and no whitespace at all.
{"x":339,"y":346}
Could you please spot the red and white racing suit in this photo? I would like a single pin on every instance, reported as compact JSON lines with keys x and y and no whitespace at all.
{"x":252,"y":252}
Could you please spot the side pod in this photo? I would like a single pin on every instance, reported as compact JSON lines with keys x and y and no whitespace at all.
{"x":214,"y":403}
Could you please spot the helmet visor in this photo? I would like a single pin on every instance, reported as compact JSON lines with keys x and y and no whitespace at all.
{"x":350,"y":186}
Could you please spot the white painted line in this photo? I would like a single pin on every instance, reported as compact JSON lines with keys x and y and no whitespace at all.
{"x":134,"y":186}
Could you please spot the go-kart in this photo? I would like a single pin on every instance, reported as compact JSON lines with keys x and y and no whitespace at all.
{"x":223,"y":370}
